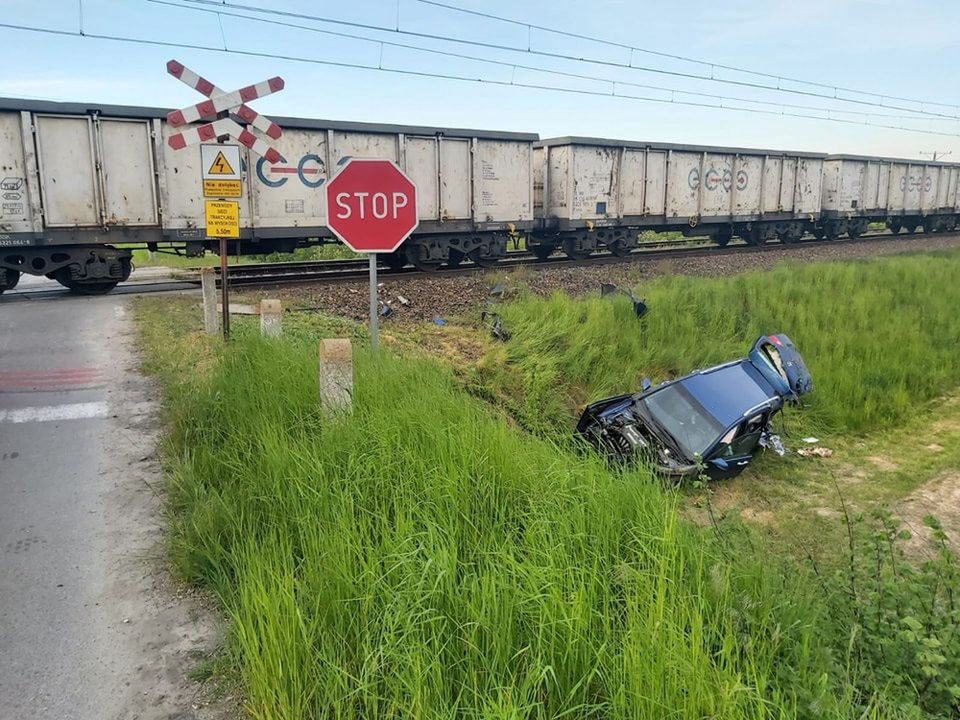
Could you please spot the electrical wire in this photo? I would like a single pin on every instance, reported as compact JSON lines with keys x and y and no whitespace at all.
{"x":504,"y":63}
{"x":672,"y":56}
{"x":562,"y":56}
{"x":416,"y":73}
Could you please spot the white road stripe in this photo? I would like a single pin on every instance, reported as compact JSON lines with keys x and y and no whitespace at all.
{"x":47,"y":413}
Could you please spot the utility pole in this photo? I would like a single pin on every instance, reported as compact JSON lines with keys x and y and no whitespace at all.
{"x":937,"y":154}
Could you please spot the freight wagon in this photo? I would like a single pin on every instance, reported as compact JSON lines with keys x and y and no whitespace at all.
{"x":79,"y":180}
{"x":593,"y":192}
{"x":903,"y":194}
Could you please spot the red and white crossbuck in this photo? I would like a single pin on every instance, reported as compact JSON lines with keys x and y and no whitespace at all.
{"x":219,"y":101}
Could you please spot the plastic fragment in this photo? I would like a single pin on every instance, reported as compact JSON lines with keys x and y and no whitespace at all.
{"x":439,"y":321}
{"x":774,"y":443}
{"x":811,"y":440}
{"x":402,"y":300}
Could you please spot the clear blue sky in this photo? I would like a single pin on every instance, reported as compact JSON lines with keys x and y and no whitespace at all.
{"x":887,"y":46}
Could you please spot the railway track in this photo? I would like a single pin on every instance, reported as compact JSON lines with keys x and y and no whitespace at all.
{"x":351,"y":269}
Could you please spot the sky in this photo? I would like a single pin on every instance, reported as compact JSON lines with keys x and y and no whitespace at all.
{"x":890,"y":47}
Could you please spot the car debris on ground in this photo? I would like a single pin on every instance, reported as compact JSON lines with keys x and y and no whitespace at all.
{"x":709,"y":422}
{"x":639,"y":304}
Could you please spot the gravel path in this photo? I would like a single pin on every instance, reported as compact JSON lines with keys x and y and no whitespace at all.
{"x":432,"y":296}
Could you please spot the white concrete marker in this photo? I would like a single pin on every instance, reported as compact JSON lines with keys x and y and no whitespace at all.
{"x":51,"y":413}
{"x":271,"y":318}
{"x":208,"y":284}
{"x":336,"y":376}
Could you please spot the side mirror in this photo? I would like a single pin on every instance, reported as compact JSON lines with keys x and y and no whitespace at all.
{"x":720,"y":463}
{"x":645,"y":384}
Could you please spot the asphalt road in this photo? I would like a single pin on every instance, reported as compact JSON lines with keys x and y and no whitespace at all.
{"x":91,"y":625}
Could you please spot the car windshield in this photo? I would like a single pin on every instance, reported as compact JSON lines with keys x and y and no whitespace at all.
{"x":693,"y":429}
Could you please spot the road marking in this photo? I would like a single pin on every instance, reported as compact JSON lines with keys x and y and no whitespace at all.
{"x":66,"y":379}
{"x":48,"y":413}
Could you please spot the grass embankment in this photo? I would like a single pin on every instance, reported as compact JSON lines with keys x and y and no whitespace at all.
{"x":421,"y":558}
{"x":880,"y":338}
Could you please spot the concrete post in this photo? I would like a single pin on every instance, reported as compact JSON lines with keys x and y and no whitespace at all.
{"x":208,"y":283}
{"x":336,"y":376}
{"x":271,"y":318}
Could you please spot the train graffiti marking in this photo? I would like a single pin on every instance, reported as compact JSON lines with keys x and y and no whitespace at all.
{"x":308,"y":166}
{"x":714,"y":179}
{"x":916,"y":183}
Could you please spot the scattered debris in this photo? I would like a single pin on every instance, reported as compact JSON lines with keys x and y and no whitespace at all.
{"x":774,"y":443}
{"x":496,"y":326}
{"x":402,"y":300}
{"x":639,"y":306}
{"x":811,"y":440}
{"x":439,"y":321}
{"x":499,"y":290}
{"x":386,"y":310}
{"x":820,"y":452}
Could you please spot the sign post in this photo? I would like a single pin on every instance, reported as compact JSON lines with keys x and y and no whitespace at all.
{"x":221,"y":164}
{"x":372,"y":208}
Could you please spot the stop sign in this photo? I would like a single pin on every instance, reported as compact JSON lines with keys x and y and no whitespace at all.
{"x":371,"y":205}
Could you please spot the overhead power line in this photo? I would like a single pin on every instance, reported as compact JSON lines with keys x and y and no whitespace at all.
{"x":87,"y":35}
{"x":518,"y":66}
{"x":672,"y":56}
{"x":225,"y":4}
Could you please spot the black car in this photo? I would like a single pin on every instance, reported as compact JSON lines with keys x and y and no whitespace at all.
{"x":709,"y":422}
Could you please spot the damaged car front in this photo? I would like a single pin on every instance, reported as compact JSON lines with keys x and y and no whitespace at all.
{"x":709,"y":422}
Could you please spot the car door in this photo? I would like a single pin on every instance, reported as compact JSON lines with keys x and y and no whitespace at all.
{"x":736,"y":448}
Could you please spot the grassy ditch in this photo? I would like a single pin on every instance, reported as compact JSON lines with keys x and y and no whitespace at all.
{"x":421,"y":558}
{"x":879,"y":337}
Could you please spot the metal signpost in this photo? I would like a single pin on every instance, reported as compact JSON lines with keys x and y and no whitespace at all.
{"x":372,"y":208}
{"x":221,"y":164}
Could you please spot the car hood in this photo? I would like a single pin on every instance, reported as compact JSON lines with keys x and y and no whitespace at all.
{"x":780,"y":363}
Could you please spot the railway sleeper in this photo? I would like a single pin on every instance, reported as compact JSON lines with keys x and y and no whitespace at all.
{"x":85,"y":269}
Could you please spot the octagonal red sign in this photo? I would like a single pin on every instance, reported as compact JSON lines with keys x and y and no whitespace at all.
{"x":371,"y":205}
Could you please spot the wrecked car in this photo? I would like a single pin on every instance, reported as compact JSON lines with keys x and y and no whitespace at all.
{"x":709,"y":422}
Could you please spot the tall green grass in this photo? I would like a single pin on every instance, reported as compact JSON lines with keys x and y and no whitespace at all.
{"x":422,"y":558}
{"x":880,"y":338}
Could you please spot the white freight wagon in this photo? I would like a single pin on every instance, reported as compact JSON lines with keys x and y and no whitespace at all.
{"x":591,"y":191}
{"x":77,"y":179}
{"x":903,"y":193}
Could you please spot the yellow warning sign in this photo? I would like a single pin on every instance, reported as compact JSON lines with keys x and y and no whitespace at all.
{"x":223,"y":219}
{"x":222,"y":188}
{"x":220,"y":166}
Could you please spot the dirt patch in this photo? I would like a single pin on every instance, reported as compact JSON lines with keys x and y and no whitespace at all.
{"x":940,"y":498}
{"x":882,"y":463}
{"x":758,"y":517}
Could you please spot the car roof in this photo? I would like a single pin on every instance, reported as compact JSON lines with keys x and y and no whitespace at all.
{"x":729,"y":391}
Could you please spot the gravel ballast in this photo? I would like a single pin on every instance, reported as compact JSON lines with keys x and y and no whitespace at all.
{"x":445,"y":295}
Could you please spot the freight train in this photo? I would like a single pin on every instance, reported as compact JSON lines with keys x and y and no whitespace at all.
{"x":82,"y":184}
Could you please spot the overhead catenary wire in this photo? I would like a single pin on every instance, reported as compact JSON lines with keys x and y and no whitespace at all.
{"x":562,"y":56}
{"x":673,"y":56}
{"x":418,"y":73}
{"x":549,"y":71}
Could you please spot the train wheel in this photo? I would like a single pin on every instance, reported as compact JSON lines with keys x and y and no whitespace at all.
{"x":572,"y":251}
{"x":416,"y":253}
{"x":756,"y":237}
{"x":910,"y":226}
{"x":818,"y":233}
{"x":620,"y":248}
{"x":482,"y":260}
{"x":791,"y":236}
{"x":895,"y":225}
{"x":542,"y":252}
{"x":98,"y":287}
{"x":929,"y":225}
{"x":10,"y":280}
{"x":455,"y":258}
{"x":722,"y":239}
{"x":396,"y":261}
